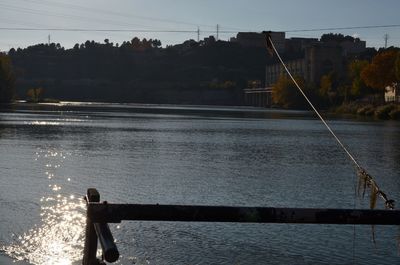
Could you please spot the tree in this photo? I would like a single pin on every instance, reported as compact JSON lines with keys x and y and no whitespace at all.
{"x":146,"y":44}
{"x":35,"y":94}
{"x":328,"y":90}
{"x":135,"y":43}
{"x":397,"y":66}
{"x":381,"y":71}
{"x":286,"y":94}
{"x":354,"y":69}
{"x":156,"y":43}
{"x":7,"y":79}
{"x":337,"y":37}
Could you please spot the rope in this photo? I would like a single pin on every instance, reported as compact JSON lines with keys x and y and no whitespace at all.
{"x":315,"y":110}
{"x":362,"y":173}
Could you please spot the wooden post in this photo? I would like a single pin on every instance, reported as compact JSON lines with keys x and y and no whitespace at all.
{"x":90,"y":249}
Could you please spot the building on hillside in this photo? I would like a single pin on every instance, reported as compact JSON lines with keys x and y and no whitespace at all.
{"x":392,"y":93}
{"x":349,"y":47}
{"x":318,"y":60}
{"x":353,"y":47}
{"x":259,"y":40}
{"x":298,"y":45}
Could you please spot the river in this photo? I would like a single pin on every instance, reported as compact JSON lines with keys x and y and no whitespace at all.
{"x":50,"y":155}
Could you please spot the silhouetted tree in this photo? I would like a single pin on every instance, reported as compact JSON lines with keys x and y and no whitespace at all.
{"x":156,"y":43}
{"x":141,"y":71}
{"x":135,"y":42}
{"x":337,"y":37}
{"x":7,"y":79}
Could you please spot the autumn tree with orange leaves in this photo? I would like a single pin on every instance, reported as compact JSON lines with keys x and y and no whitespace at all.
{"x":381,"y":72}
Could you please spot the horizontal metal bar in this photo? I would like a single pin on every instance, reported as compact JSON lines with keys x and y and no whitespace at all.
{"x":115,"y":213}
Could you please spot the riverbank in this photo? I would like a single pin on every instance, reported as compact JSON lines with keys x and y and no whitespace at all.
{"x":383,"y":112}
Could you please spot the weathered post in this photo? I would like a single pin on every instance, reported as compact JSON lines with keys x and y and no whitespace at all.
{"x":90,"y":249}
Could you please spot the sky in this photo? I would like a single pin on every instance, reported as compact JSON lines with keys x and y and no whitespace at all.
{"x":29,"y":22}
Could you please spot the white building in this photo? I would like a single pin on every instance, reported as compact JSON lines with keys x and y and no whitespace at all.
{"x":392,"y":94}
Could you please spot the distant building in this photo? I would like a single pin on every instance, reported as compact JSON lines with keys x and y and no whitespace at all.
{"x":298,"y":45}
{"x":309,"y":58}
{"x":209,"y":40}
{"x":258,"y":40}
{"x":318,"y":60}
{"x":349,"y":47}
{"x":251,"y":39}
{"x":392,"y":94}
{"x":278,"y":38}
{"x":354,"y":47}
{"x":296,"y":67}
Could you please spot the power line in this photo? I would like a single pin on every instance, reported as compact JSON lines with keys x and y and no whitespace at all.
{"x":98,"y":30}
{"x":65,"y":16}
{"x":111,"y":12}
{"x":345,"y":28}
{"x":185,"y":31}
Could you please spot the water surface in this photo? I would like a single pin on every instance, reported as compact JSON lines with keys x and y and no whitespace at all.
{"x":51,"y":154}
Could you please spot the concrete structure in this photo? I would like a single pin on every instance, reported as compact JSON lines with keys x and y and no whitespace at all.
{"x":258,"y":97}
{"x":298,"y":45}
{"x":251,"y":39}
{"x":296,"y":67}
{"x":318,"y":60}
{"x":259,"y":40}
{"x":279,"y":40}
{"x":392,"y":93}
{"x":353,"y":47}
{"x":308,"y":58}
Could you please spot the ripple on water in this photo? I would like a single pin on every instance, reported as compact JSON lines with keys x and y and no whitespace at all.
{"x":58,"y":240}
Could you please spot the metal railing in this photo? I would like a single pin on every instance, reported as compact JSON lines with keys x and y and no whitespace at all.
{"x":99,"y":214}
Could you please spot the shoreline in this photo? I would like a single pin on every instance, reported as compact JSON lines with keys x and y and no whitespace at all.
{"x":389,"y":111}
{"x":353,"y":110}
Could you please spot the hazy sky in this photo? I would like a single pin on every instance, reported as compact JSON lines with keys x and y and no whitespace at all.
{"x":188,"y":15}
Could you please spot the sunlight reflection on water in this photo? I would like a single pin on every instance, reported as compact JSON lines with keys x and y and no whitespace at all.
{"x":59,"y":238}
{"x":209,"y":158}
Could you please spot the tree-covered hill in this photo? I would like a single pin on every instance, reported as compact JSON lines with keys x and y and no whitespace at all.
{"x":213,"y":72}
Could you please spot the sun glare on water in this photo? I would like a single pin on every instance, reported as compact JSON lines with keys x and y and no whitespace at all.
{"x":59,"y":238}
